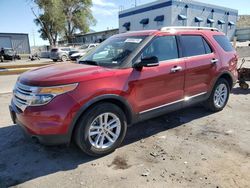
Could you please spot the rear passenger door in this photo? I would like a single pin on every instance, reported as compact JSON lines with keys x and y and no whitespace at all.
{"x":200,"y":63}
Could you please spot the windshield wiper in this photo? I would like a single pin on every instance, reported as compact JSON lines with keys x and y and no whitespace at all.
{"x":89,"y":62}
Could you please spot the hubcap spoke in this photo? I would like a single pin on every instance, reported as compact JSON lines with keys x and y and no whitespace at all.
{"x":113,"y":126}
{"x":109,"y":138}
{"x":97,"y":139}
{"x":102,"y":141}
{"x":112,"y":134}
{"x":94,"y":133}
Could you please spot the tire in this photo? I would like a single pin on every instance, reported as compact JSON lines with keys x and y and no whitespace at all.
{"x":244,"y":85}
{"x":220,"y":92}
{"x":89,"y":123}
{"x":55,"y":60}
{"x":64,"y":58}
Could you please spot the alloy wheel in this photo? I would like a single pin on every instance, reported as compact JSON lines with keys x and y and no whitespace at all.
{"x":104,"y":130}
{"x":220,"y":95}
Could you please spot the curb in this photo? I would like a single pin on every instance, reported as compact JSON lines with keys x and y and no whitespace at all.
{"x":27,"y":65}
{"x":15,"y":71}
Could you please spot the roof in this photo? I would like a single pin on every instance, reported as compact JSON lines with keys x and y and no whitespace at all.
{"x":165,"y":3}
{"x":171,"y":31}
{"x":14,"y":34}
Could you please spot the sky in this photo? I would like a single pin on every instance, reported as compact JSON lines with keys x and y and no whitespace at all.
{"x":16,"y":15}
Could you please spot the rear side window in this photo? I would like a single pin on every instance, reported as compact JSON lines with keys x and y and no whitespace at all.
{"x":193,"y":45}
{"x":54,"y":50}
{"x":164,"y":48}
{"x":224,"y":42}
{"x":207,"y":47}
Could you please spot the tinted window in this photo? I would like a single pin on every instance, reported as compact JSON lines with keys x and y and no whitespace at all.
{"x":207,"y":47}
{"x":192,"y":45}
{"x":224,"y":42}
{"x":164,"y":48}
{"x":54,"y":50}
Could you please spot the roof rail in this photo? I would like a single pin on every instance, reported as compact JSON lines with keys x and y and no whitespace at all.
{"x":188,"y":28}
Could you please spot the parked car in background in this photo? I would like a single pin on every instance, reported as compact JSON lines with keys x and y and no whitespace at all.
{"x":129,"y":78}
{"x":82,"y":51}
{"x":10,"y":54}
{"x":60,"y":53}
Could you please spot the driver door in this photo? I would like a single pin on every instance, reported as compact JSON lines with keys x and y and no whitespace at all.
{"x":161,"y":87}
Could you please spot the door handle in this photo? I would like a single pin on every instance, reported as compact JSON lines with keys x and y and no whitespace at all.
{"x":176,"y":69}
{"x":214,"y":61}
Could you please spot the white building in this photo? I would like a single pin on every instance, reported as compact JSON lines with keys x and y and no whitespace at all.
{"x":178,"y":13}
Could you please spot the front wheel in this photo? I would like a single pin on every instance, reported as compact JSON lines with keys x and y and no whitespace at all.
{"x":101,"y":129}
{"x":219,"y":96}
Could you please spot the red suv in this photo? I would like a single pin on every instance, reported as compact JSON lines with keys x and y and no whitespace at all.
{"x":128,"y":78}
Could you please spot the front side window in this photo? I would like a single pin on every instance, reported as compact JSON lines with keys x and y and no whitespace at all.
{"x":164,"y":48}
{"x":113,"y":52}
{"x":193,"y":45}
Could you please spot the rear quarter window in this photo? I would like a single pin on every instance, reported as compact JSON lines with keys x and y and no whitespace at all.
{"x":224,"y":43}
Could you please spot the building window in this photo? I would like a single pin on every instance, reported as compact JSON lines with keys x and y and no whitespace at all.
{"x":210,"y":21}
{"x":144,"y":22}
{"x":127,"y":26}
{"x":221,"y":23}
{"x":198,"y":20}
{"x":159,"y":19}
{"x":182,"y":18}
{"x":231,"y":24}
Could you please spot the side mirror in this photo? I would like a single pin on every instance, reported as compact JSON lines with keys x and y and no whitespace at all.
{"x":147,"y":62}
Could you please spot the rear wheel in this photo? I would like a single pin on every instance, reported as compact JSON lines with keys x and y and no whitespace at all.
{"x":219,"y":96}
{"x":244,"y":85}
{"x":101,"y":129}
{"x":64,"y":58}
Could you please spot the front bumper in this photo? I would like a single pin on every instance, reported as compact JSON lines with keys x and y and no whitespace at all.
{"x":49,"y":123}
{"x":43,"y":139}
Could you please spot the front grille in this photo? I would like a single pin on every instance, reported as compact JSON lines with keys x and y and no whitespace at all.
{"x":22,"y":95}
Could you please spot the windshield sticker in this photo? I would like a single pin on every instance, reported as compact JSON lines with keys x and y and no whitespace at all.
{"x":114,"y":62}
{"x":132,"y":40}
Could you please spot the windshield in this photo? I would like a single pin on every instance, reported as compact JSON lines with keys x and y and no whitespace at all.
{"x":113,"y":52}
{"x":8,"y":51}
{"x":85,"y":46}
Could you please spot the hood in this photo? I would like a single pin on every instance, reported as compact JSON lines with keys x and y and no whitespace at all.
{"x":63,"y":73}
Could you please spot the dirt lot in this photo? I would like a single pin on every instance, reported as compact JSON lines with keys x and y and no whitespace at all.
{"x":188,"y":148}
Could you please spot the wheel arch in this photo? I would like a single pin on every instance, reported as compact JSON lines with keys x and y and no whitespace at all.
{"x":227,"y":76}
{"x":111,"y":98}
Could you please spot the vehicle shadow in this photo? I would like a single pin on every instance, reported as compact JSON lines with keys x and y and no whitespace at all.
{"x":239,"y":91}
{"x":22,"y":160}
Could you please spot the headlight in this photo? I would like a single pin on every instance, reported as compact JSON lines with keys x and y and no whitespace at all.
{"x":44,"y":95}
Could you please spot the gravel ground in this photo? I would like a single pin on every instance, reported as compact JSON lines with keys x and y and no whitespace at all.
{"x":188,"y":148}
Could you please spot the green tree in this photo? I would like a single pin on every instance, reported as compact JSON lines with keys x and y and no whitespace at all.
{"x":51,"y":20}
{"x":78,"y":17}
{"x":64,"y":18}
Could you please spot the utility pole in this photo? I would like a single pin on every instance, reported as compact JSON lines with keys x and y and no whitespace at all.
{"x":34,"y":38}
{"x":135,"y":3}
